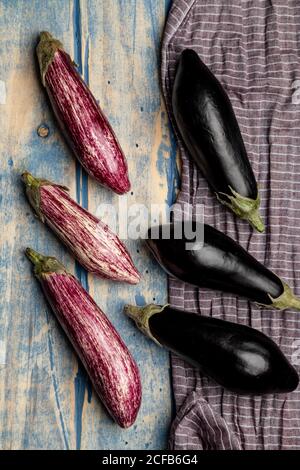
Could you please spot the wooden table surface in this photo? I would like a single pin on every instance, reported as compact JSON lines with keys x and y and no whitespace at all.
{"x":46,"y":400}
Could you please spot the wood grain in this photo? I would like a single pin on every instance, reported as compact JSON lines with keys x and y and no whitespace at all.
{"x":46,"y":400}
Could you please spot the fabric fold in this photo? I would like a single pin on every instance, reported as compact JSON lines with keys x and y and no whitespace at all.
{"x":197,"y":426}
{"x":253,"y":48}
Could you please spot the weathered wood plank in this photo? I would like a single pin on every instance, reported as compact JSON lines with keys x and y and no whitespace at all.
{"x":124,"y":40}
{"x":35,"y":387}
{"x":45,"y":399}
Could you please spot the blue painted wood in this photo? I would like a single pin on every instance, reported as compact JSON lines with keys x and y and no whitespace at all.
{"x":81,"y":381}
{"x":34,"y":390}
{"x":46,"y":400}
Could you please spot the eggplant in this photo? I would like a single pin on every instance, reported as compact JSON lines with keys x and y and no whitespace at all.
{"x":83,"y":123}
{"x":219,"y":263}
{"x":109,"y":364}
{"x":91,"y":241}
{"x":239,"y":358}
{"x":207,"y":124}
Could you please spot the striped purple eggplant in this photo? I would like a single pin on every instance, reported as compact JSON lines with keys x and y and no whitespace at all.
{"x":91,"y":241}
{"x":83,"y":123}
{"x":111,"y":368}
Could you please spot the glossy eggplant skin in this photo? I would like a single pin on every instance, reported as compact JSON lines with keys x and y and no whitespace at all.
{"x":206,"y":121}
{"x":238,"y":357}
{"x":221,"y":264}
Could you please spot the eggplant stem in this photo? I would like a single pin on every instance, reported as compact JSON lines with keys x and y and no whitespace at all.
{"x":141,"y":316}
{"x":44,"y":264}
{"x":34,"y":256}
{"x":46,"y":50}
{"x":286,"y":300}
{"x":244,"y":207}
{"x":29,"y":180}
{"x":33,"y":192}
{"x":255,"y":220}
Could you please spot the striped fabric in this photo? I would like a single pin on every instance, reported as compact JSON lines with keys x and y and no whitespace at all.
{"x":253,"y":47}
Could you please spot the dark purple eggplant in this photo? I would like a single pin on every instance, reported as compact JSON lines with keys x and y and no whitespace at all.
{"x":220,"y":264}
{"x":210,"y":131}
{"x":238,"y":357}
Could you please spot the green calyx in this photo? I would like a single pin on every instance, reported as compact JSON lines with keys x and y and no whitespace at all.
{"x":44,"y":264}
{"x":141,"y":316}
{"x":46,"y":50}
{"x":33,"y":186}
{"x":244,"y":207}
{"x":286,"y":300}
{"x":33,"y":192}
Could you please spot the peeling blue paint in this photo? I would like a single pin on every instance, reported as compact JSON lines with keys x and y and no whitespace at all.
{"x":173,"y":175}
{"x":81,"y":379}
{"x":77,"y":34}
{"x":86,"y":60}
{"x":140,"y":300}
{"x":80,"y":386}
{"x":55,"y":385}
{"x":84,"y":175}
{"x":168,"y":166}
{"x":161,"y":160}
{"x":89,"y":390}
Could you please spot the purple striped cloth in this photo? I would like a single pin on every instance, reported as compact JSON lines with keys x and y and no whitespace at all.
{"x":253,"y":47}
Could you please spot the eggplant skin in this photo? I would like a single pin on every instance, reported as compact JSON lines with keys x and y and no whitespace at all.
{"x":207,"y":124}
{"x":238,"y":357}
{"x":92,"y":243}
{"x":83,"y":123}
{"x":221,"y":264}
{"x":111,"y":368}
